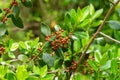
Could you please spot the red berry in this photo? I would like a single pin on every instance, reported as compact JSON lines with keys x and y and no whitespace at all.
{"x":57,"y":33}
{"x":52,"y":34}
{"x":62,"y":30}
{"x":39,"y":49}
{"x":47,"y":39}
{"x":14,"y":3}
{"x":67,"y":70}
{"x":4,"y":19}
{"x":53,"y":43}
{"x":58,"y":36}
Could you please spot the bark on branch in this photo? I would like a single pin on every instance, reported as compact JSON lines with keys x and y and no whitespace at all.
{"x":110,"y":38}
{"x":96,"y":33}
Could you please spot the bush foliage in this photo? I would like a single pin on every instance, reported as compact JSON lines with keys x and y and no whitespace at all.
{"x":58,"y":54}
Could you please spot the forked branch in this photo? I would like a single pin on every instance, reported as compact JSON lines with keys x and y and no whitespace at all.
{"x":96,"y":33}
{"x":110,"y":38}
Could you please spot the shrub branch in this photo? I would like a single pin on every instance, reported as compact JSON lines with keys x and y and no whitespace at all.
{"x":4,"y":19}
{"x":97,"y":32}
{"x":112,"y":39}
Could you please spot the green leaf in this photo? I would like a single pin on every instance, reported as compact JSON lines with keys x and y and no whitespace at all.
{"x":66,"y":2}
{"x":67,"y":22}
{"x":96,"y":23}
{"x":85,"y":41}
{"x":84,"y":23}
{"x":11,"y":55}
{"x":16,"y":11}
{"x":2,"y":29}
{"x":116,"y":35}
{"x":21,"y":72}
{"x":104,"y":58}
{"x":23,"y":58}
{"x":97,"y":55}
{"x":97,"y":14}
{"x":43,"y":71}
{"x":81,"y":35}
{"x":78,"y":14}
{"x":58,"y":63}
{"x":10,"y":76}
{"x":62,"y":76}
{"x":3,"y":70}
{"x":114,"y":24}
{"x":0,"y":11}
{"x":118,"y":78}
{"x":46,"y":46}
{"x":36,"y":70}
{"x":17,"y":21}
{"x":14,"y":46}
{"x":93,"y":64}
{"x":59,"y":53}
{"x":105,"y":66}
{"x":34,"y":42}
{"x":45,"y":29}
{"x":92,"y":9}
{"x":85,"y":13}
{"x":73,"y":16}
{"x":74,"y":37}
{"x":114,"y":66}
{"x":9,"y":45}
{"x":67,"y":18}
{"x":113,"y":52}
{"x":76,"y":76}
{"x":33,"y":78}
{"x":76,"y":45}
{"x":27,"y":3}
{"x":49,"y":77}
{"x":30,"y":65}
{"x":22,"y":45}
{"x":48,"y":59}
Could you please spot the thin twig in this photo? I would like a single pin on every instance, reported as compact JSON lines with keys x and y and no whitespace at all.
{"x":35,"y":57}
{"x":112,"y":39}
{"x":7,"y":12}
{"x":53,"y":72}
{"x":14,"y":60}
{"x":96,"y":33}
{"x":6,"y":64}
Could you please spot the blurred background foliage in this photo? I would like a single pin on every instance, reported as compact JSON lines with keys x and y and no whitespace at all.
{"x":52,"y":12}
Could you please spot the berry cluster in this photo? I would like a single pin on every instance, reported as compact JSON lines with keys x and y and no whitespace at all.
{"x":14,"y":2}
{"x":4,"y":19}
{"x":59,"y":41}
{"x":90,"y":70}
{"x":8,"y":10}
{"x":72,"y":67}
{"x":2,"y":50}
